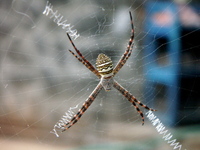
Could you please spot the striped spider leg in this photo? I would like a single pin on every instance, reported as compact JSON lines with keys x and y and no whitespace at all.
{"x":85,"y":106}
{"x":131,"y":99}
{"x":82,"y":58}
{"x":128,"y":51}
{"x":105,"y":72}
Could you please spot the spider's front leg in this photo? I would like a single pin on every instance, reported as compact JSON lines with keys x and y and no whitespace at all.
{"x":128,"y":50}
{"x":82,"y":59}
{"x":85,"y":106}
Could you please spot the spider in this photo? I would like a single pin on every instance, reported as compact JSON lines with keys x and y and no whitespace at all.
{"x":105,"y":72}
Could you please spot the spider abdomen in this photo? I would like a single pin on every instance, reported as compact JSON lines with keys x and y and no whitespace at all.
{"x":105,"y":68}
{"x":104,"y":65}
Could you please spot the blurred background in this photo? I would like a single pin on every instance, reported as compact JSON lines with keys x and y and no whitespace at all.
{"x":40,"y":80}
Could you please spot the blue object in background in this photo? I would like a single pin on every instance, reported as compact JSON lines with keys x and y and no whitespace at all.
{"x":162,"y":23}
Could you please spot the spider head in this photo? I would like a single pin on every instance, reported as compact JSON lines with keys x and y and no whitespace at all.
{"x":104,"y":65}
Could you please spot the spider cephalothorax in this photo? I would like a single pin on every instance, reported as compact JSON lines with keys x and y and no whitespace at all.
{"x":105,"y":72}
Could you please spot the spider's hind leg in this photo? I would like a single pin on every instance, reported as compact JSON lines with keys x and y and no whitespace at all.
{"x":85,"y":106}
{"x":131,"y":99}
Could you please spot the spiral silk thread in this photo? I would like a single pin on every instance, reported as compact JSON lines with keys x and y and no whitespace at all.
{"x":60,"y":125}
{"x":166,"y":135}
{"x":58,"y":19}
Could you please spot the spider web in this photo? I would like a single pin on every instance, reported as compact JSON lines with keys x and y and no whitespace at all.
{"x":40,"y":80}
